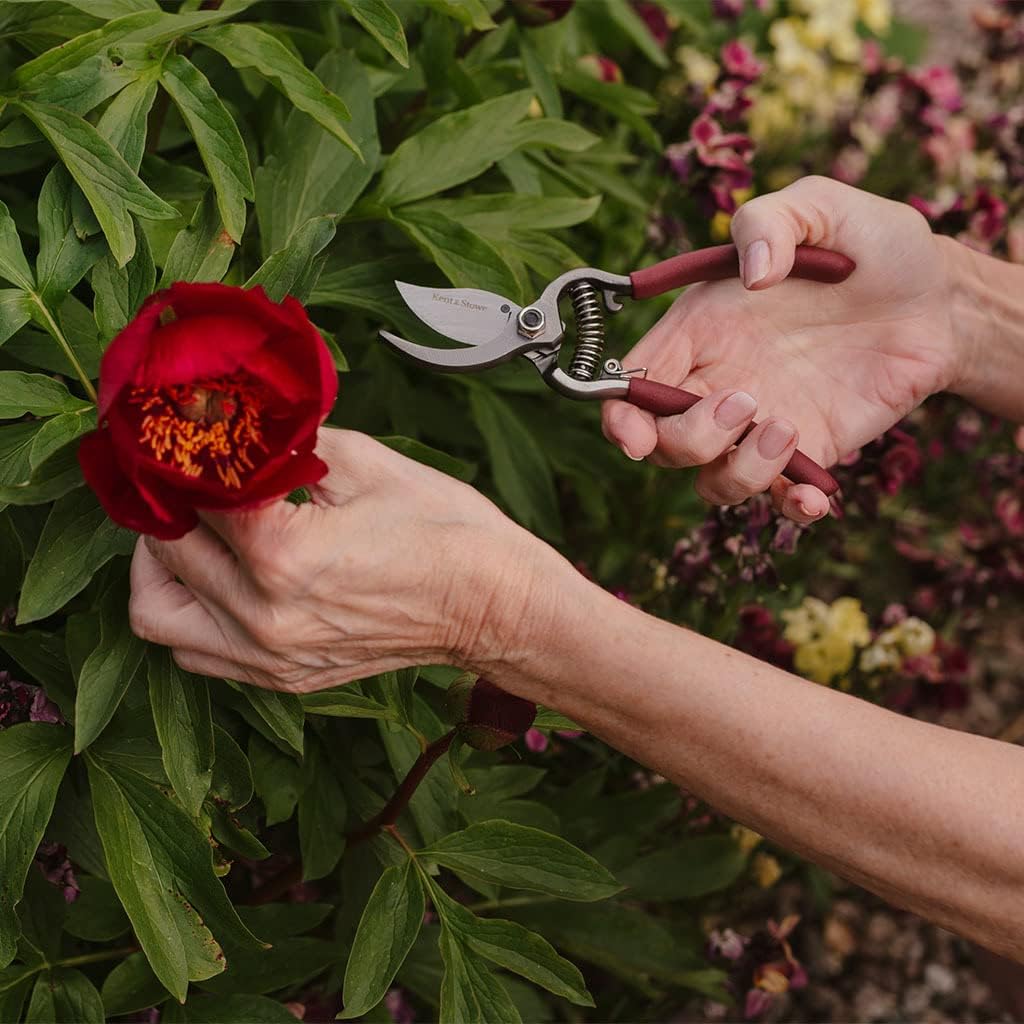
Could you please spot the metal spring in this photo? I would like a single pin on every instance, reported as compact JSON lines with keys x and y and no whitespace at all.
{"x":586,"y":307}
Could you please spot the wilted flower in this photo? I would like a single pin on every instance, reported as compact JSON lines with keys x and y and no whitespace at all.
{"x":52,"y":859}
{"x":209,"y":399}
{"x":23,"y":702}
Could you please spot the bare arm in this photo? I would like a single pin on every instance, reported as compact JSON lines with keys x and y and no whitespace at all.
{"x":929,"y":818}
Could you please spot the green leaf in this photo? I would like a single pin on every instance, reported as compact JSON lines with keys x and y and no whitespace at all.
{"x":308,"y":172}
{"x":113,"y":189}
{"x":15,"y":983}
{"x":162,"y":868}
{"x":291,"y":962}
{"x":232,"y":1009}
{"x":550,"y":133}
{"x":109,"y":669}
{"x":686,"y":870}
{"x":623,"y":940}
{"x":452,"y":150}
{"x":232,"y":782}
{"x":321,"y":817}
{"x":631,"y":106}
{"x":513,"y":947}
{"x":97,"y":914}
{"x":108,"y":9}
{"x":386,"y":932}
{"x":465,"y":258}
{"x":81,"y":88}
{"x":470,"y":993}
{"x":120,"y":291}
{"x":522,"y":473}
{"x":181,"y":714}
{"x":621,"y":18}
{"x":36,"y":394}
{"x":13,"y":265}
{"x":343,"y":702}
{"x":539,"y":76}
{"x":217,"y":137}
{"x":433,"y":805}
{"x":472,"y":13}
{"x":148,"y":26}
{"x":383,"y":24}
{"x":281,"y":712}
{"x":54,"y":478}
{"x":59,"y":431}
{"x":33,"y":758}
{"x":77,"y":540}
{"x":15,"y":450}
{"x":497,"y":214}
{"x":413,"y":449}
{"x":125,"y":122}
{"x":524,"y":858}
{"x":202,"y":250}
{"x":64,"y":996}
{"x":295,"y":269}
{"x":64,"y":258}
{"x":131,"y":986}
{"x":247,"y":46}
{"x":278,"y":780}
{"x":15,"y":311}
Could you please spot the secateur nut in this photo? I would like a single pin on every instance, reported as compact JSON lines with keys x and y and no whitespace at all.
{"x":530,"y":322}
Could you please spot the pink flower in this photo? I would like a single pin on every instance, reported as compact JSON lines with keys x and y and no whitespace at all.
{"x":948,"y":147}
{"x":729,"y":100}
{"x":850,"y":165}
{"x":756,"y":1003}
{"x":936,"y":209}
{"x":726,"y":943}
{"x":901,"y":464}
{"x":739,"y":60}
{"x":940,"y":85}
{"x":988,"y":221}
{"x":1010,"y":512}
{"x":23,"y":702}
{"x":536,"y":741}
{"x":731,"y":151}
{"x":399,"y":1009}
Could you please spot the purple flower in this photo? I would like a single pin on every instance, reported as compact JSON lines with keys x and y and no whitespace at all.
{"x":52,"y":859}
{"x":655,"y":19}
{"x":756,"y":1003}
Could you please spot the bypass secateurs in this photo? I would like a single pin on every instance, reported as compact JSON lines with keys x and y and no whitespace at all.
{"x":496,"y":329}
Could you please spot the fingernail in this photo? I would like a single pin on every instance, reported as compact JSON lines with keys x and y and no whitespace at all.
{"x":757,"y":261}
{"x":735,"y":410}
{"x":805,"y":510}
{"x":775,"y":438}
{"x":630,"y":455}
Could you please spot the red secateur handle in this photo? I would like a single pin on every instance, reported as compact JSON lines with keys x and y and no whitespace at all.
{"x":722,"y":261}
{"x":715,"y":264}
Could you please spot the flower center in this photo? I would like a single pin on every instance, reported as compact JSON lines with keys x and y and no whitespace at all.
{"x":210,"y":425}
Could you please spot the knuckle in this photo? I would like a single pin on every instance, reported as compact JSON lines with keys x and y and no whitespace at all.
{"x":274,"y":568}
{"x":708,"y":490}
{"x":270,"y":629}
{"x":144,"y":624}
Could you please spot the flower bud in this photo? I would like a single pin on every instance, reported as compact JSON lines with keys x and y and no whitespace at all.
{"x":540,"y":12}
{"x":604,"y":69}
{"x":487,"y":717}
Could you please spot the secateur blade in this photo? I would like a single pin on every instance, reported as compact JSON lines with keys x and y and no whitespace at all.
{"x":469,"y":315}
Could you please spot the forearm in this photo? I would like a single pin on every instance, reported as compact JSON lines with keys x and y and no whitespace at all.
{"x":929,"y":818}
{"x":987,"y":311}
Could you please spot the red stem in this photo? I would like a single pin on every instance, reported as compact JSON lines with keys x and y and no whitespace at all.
{"x":391,"y":811}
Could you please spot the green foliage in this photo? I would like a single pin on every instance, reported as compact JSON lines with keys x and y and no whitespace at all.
{"x":372,"y":141}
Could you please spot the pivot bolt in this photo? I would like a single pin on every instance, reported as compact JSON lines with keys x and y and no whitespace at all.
{"x":530,"y":322}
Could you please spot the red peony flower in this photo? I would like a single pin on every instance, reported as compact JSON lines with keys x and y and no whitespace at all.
{"x":209,"y":399}
{"x":604,"y":69}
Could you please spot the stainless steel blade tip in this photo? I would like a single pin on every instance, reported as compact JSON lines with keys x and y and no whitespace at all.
{"x":470,"y":315}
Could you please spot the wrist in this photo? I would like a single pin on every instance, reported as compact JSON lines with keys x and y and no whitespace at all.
{"x":986,"y":304}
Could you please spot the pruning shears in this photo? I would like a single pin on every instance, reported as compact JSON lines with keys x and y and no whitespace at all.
{"x":496,"y":329}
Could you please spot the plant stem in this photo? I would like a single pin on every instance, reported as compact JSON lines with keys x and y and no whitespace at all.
{"x":97,"y":958}
{"x":393,"y":808}
{"x":392,"y":830}
{"x":58,"y":335}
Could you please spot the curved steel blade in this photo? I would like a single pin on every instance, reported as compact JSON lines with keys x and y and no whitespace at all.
{"x":461,"y":360}
{"x":469,"y":315}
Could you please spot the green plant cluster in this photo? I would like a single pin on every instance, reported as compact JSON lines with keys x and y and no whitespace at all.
{"x":320,"y":150}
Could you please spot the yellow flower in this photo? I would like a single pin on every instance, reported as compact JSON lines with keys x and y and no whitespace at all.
{"x":700,"y":69}
{"x":849,"y":620}
{"x":720,"y":225}
{"x":879,"y":657}
{"x":876,"y":14}
{"x":826,"y":637}
{"x":765,"y":869}
{"x":770,"y":119}
{"x":746,"y":838}
{"x":912,"y":636}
